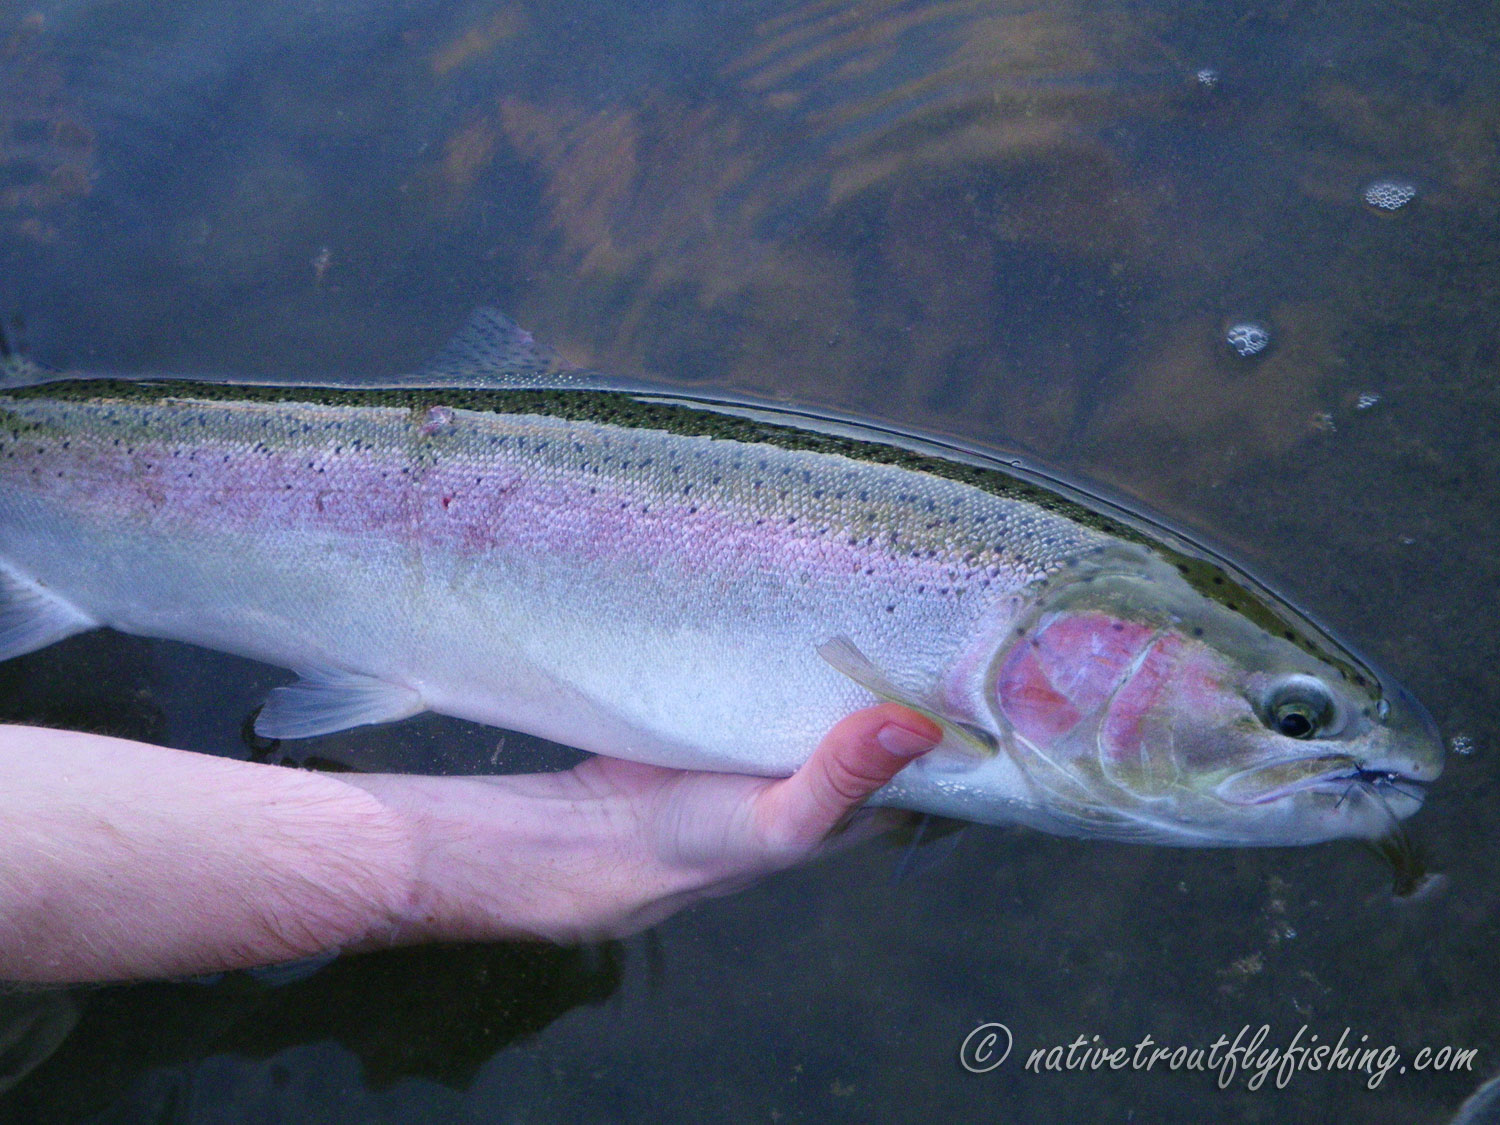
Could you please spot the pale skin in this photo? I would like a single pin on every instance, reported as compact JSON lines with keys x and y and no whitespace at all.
{"x":125,"y":861}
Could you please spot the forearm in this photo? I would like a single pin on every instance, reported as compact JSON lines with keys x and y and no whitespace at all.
{"x":122,"y":860}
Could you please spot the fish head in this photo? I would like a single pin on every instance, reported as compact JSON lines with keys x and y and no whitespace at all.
{"x":1143,"y":705}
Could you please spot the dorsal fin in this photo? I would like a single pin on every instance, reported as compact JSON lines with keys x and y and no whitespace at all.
{"x":18,"y":371}
{"x":16,"y":368}
{"x":492,"y":350}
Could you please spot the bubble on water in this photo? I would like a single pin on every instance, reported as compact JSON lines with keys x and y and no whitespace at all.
{"x":1389,"y":196}
{"x":1462,"y":744}
{"x":1366,"y":400}
{"x":1206,"y":77}
{"x":1248,"y":338}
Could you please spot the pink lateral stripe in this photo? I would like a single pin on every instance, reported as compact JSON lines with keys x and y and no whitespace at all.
{"x":459,"y":505}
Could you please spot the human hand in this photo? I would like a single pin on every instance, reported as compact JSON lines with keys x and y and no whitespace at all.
{"x":612,"y":847}
{"x":123,"y":860}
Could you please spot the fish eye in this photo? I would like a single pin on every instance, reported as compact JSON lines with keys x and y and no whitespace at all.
{"x":1299,"y":708}
{"x":1295,"y":720}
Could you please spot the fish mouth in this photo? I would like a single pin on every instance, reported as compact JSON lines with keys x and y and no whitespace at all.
{"x":1411,"y":727}
{"x":1339,"y":776}
{"x":1385,"y":784}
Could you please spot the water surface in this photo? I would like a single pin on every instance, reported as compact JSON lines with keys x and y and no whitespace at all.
{"x":1029,"y":226}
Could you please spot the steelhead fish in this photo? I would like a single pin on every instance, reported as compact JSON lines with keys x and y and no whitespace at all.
{"x":692,"y":584}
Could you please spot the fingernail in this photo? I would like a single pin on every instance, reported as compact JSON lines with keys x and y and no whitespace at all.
{"x":904,"y":742}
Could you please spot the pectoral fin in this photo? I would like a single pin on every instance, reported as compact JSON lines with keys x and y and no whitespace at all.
{"x":326,"y":700}
{"x":846,"y":658}
{"x":33,"y":617}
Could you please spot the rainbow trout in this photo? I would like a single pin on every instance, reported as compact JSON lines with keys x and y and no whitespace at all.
{"x":691,"y":584}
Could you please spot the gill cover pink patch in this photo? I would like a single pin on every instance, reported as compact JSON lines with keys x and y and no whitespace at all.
{"x":1065,"y":671}
{"x":1124,"y":735}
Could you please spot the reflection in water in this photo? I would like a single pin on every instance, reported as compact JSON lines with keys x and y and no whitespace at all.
{"x":987,"y":211}
{"x":1202,"y":412}
{"x":33,"y":1025}
{"x":843,"y":212}
{"x":477,"y":41}
{"x":46,"y":152}
{"x":435,"y":1013}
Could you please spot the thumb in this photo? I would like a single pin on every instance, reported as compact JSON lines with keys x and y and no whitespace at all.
{"x":858,"y":756}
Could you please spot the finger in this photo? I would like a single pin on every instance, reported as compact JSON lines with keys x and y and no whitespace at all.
{"x":857,"y":757}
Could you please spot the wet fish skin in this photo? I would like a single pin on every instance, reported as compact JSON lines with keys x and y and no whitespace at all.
{"x":654,"y":579}
{"x":417,"y":509}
